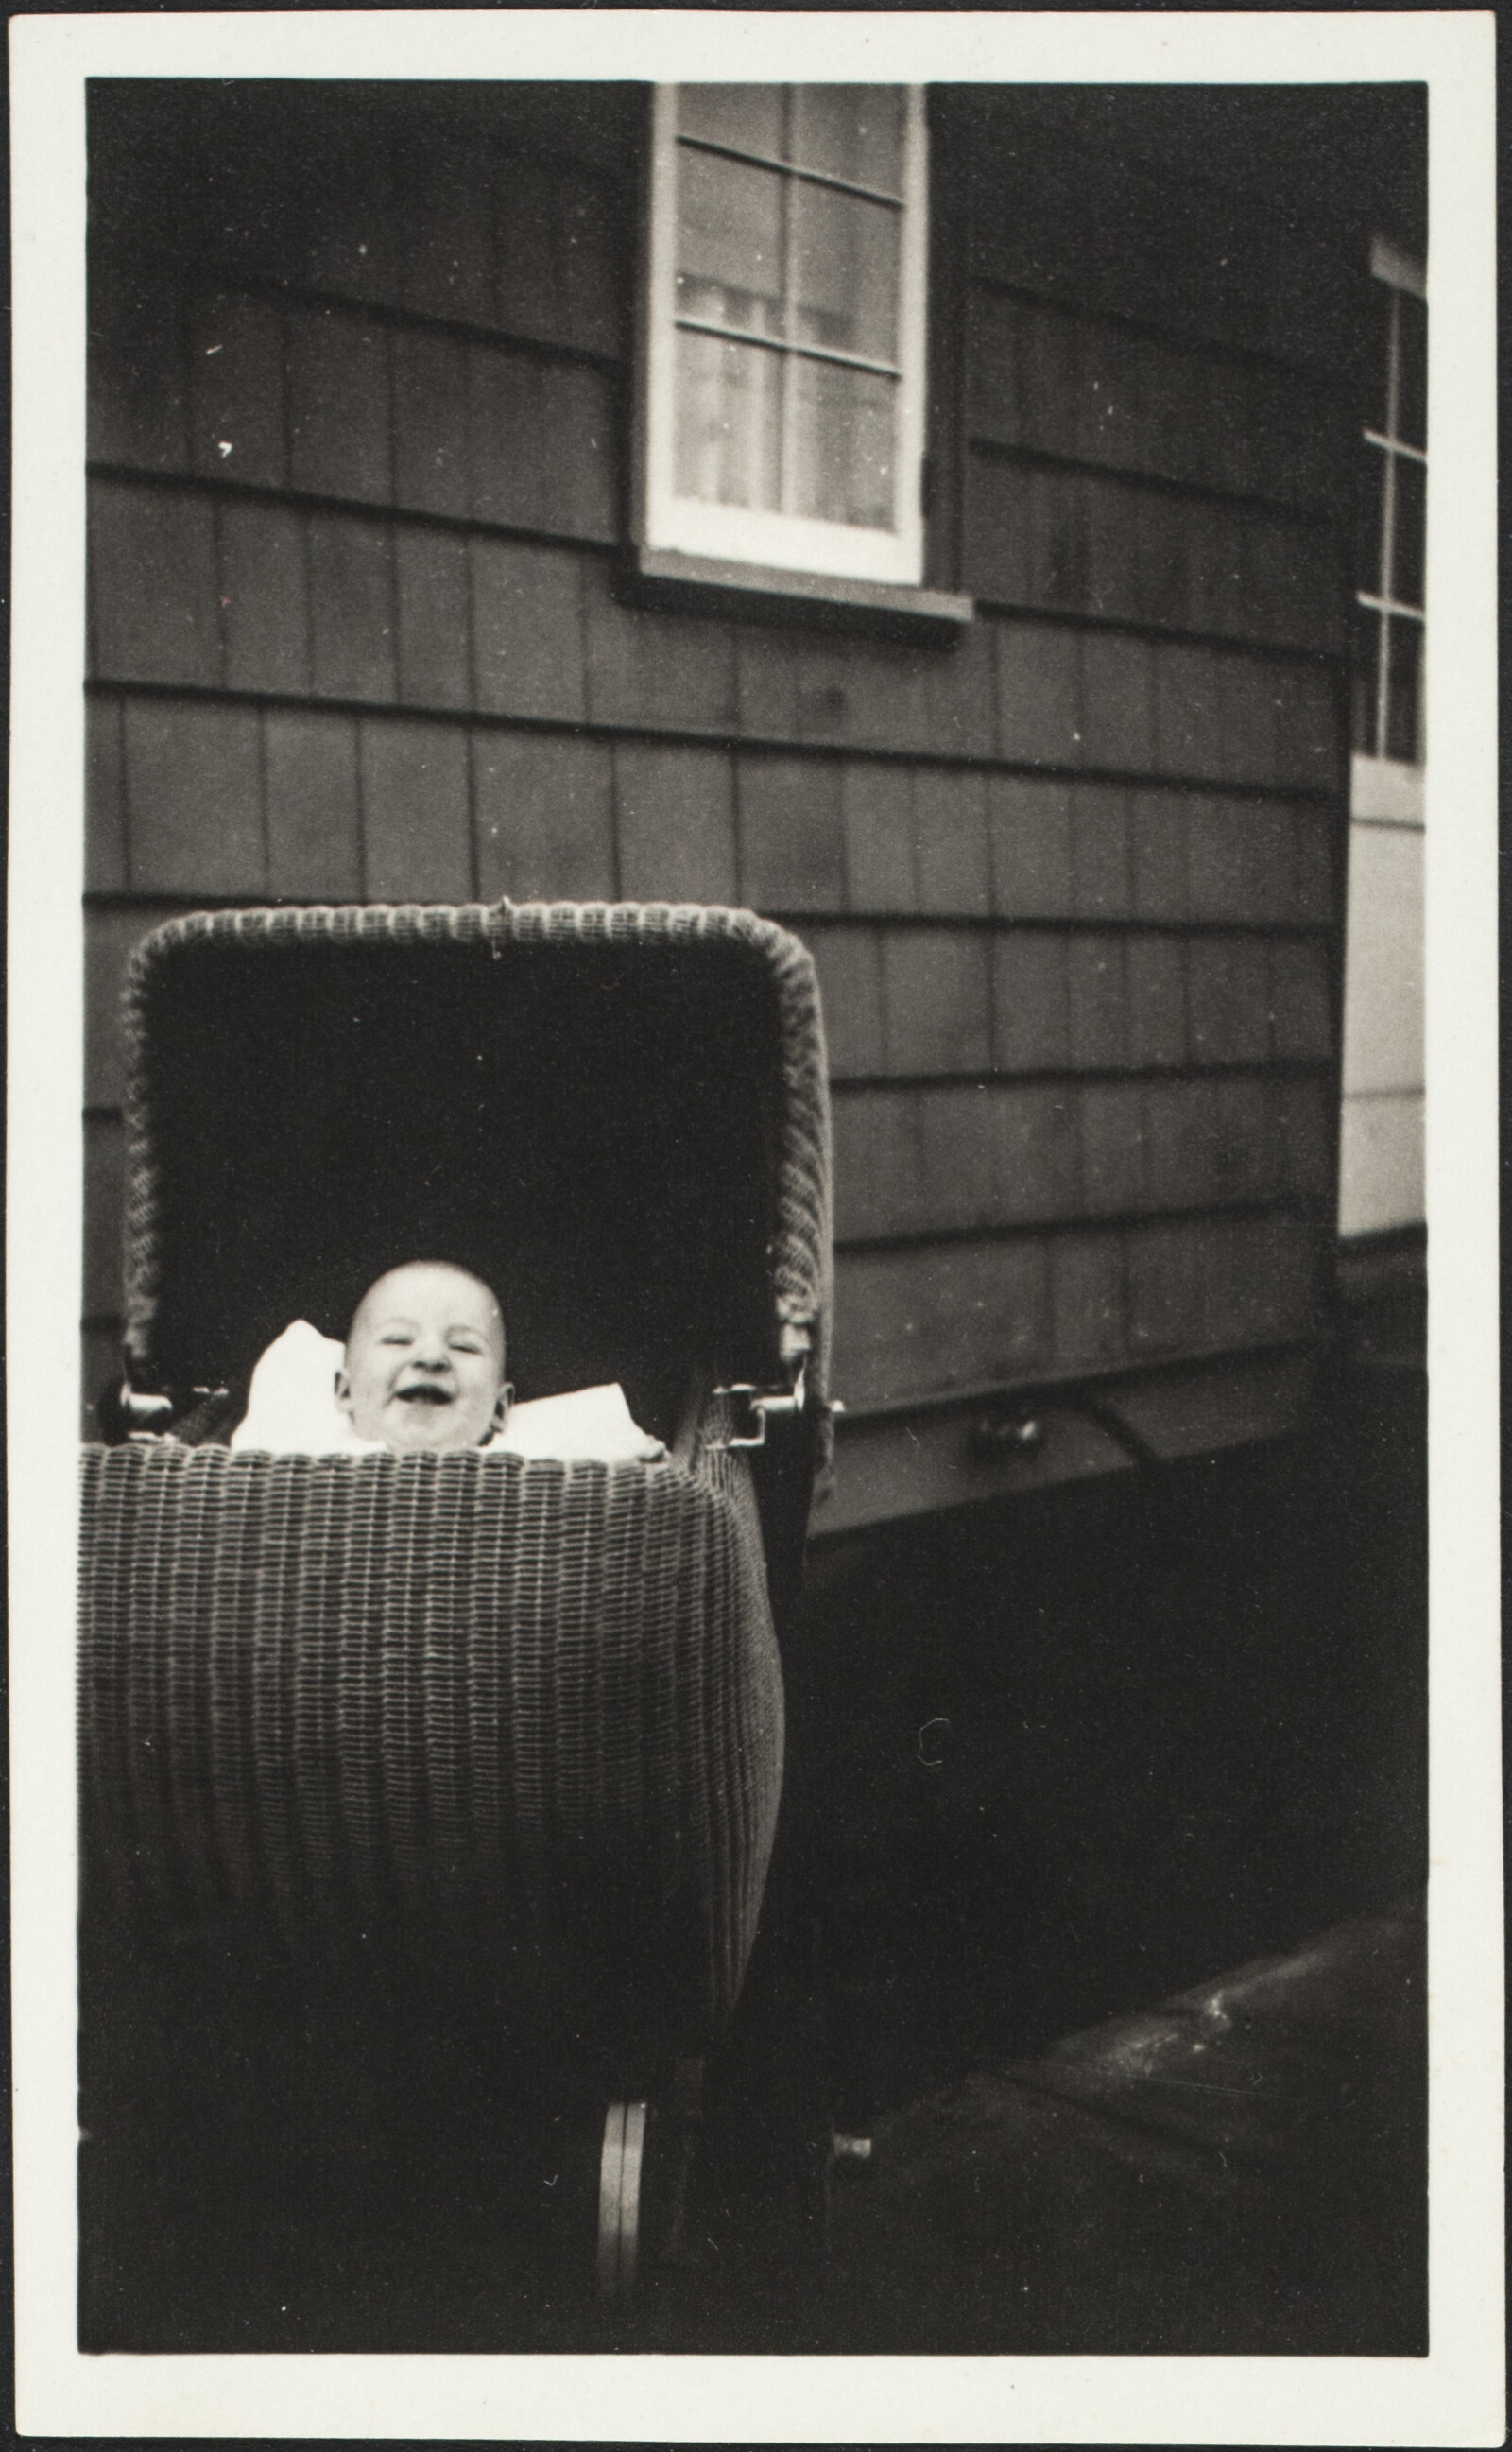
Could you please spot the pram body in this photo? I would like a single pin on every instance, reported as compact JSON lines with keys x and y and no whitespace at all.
{"x":515,"y":1727}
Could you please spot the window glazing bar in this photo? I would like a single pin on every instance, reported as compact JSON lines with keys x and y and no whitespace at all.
{"x":1394,"y":442}
{"x":793,"y":170}
{"x":788,"y":348}
{"x":1389,"y":604}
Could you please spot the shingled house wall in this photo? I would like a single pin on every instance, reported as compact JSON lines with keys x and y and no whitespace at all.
{"x":360,"y":425}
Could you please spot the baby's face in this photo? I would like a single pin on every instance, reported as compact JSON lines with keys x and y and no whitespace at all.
{"x":424,"y":1362}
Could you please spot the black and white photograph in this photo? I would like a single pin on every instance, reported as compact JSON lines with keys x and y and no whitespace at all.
{"x":748,"y":1653}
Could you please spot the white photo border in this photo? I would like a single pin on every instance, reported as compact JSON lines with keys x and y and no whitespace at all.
{"x":1453,"y":2395}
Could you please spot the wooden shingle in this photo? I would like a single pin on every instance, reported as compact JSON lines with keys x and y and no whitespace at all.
{"x":1157,"y":842}
{"x":1112,"y":1143}
{"x":938,"y":1001}
{"x":885,"y":696}
{"x":236,"y":395}
{"x":352,"y":608}
{"x":949,"y":838}
{"x":1101,"y":881}
{"x":790,"y":833}
{"x":1117,"y":721}
{"x":1030,"y":837}
{"x":1031,"y":1002}
{"x":194,"y":798}
{"x":527,"y":629}
{"x":434,"y":611}
{"x":1299,"y":999}
{"x":922,"y":1322}
{"x":428,"y":371}
{"x":1039,"y":1157}
{"x":1086,"y":1298}
{"x":1099,"y":1002}
{"x":881,"y":1184}
{"x":968,"y":1143}
{"x":340,"y":438}
{"x":264,"y":597}
{"x":314,"y":838}
{"x":103,"y":1197}
{"x":674,"y":824}
{"x":1228,"y":1000}
{"x":138,"y":385}
{"x":1164,"y":1279}
{"x":153,"y":615}
{"x":1303,"y":1137}
{"x":876,"y":818}
{"x":417,"y":833}
{"x":666,"y":669}
{"x":543,"y":808}
{"x":105,"y":848}
{"x":543,"y":445}
{"x":849,"y":962}
{"x":447,"y":258}
{"x":1038,"y":694}
{"x":558,"y":243}
{"x":1156,"y":971}
{"x":960,"y":695}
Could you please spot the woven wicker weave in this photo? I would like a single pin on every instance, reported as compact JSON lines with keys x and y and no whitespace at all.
{"x":468,"y":1697}
{"x":218,"y":1185}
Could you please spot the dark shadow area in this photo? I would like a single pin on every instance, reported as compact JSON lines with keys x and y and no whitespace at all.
{"x":1087,"y":1748}
{"x":1239,"y":2171}
{"x":590,"y":1128}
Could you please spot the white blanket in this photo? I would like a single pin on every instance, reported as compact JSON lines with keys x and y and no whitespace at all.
{"x":292,"y":1411}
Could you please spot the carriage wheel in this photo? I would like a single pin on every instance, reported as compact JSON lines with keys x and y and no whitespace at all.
{"x":620,"y":2166}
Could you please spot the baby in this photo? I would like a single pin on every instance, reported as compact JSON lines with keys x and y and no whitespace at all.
{"x":423,"y":1373}
{"x":423,"y":1368}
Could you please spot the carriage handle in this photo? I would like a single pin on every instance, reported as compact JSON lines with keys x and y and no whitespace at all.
{"x":780,"y":1403}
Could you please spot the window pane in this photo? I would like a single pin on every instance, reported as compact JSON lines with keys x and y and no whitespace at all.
{"x":853,"y":130}
{"x":747,"y":115}
{"x":1410,"y":531}
{"x":1404,"y":706}
{"x":730,"y":243}
{"x":729,"y":422}
{"x":845,"y":271}
{"x":842,"y":443}
{"x":1370,"y":512}
{"x":1412,"y":378}
{"x":1366,"y":663}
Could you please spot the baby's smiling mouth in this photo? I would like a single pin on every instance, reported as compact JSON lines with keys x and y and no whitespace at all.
{"x":424,"y":1392}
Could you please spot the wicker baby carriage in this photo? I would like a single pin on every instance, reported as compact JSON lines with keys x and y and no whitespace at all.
{"x":509,"y":1731}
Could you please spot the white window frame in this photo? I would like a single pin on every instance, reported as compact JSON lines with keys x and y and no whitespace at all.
{"x":1380,"y":1120}
{"x":666,"y":521}
{"x":1383,"y":790}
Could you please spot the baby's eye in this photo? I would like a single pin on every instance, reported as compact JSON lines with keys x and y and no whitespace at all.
{"x":466,"y":1344}
{"x":396,"y":1336}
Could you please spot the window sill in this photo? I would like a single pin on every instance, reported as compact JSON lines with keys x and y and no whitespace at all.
{"x":690,"y":582}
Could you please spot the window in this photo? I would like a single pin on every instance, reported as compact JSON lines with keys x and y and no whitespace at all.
{"x":1391,"y":532}
{"x":783,"y":373}
{"x":1381,"y":1135}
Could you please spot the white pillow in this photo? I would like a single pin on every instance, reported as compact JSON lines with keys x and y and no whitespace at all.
{"x":292,"y":1407}
{"x":292,"y":1411}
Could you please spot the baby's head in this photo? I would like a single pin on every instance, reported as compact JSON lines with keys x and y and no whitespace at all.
{"x":424,"y":1364}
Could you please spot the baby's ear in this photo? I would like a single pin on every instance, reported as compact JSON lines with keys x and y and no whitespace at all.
{"x":343,"y":1391}
{"x":506,"y":1398}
